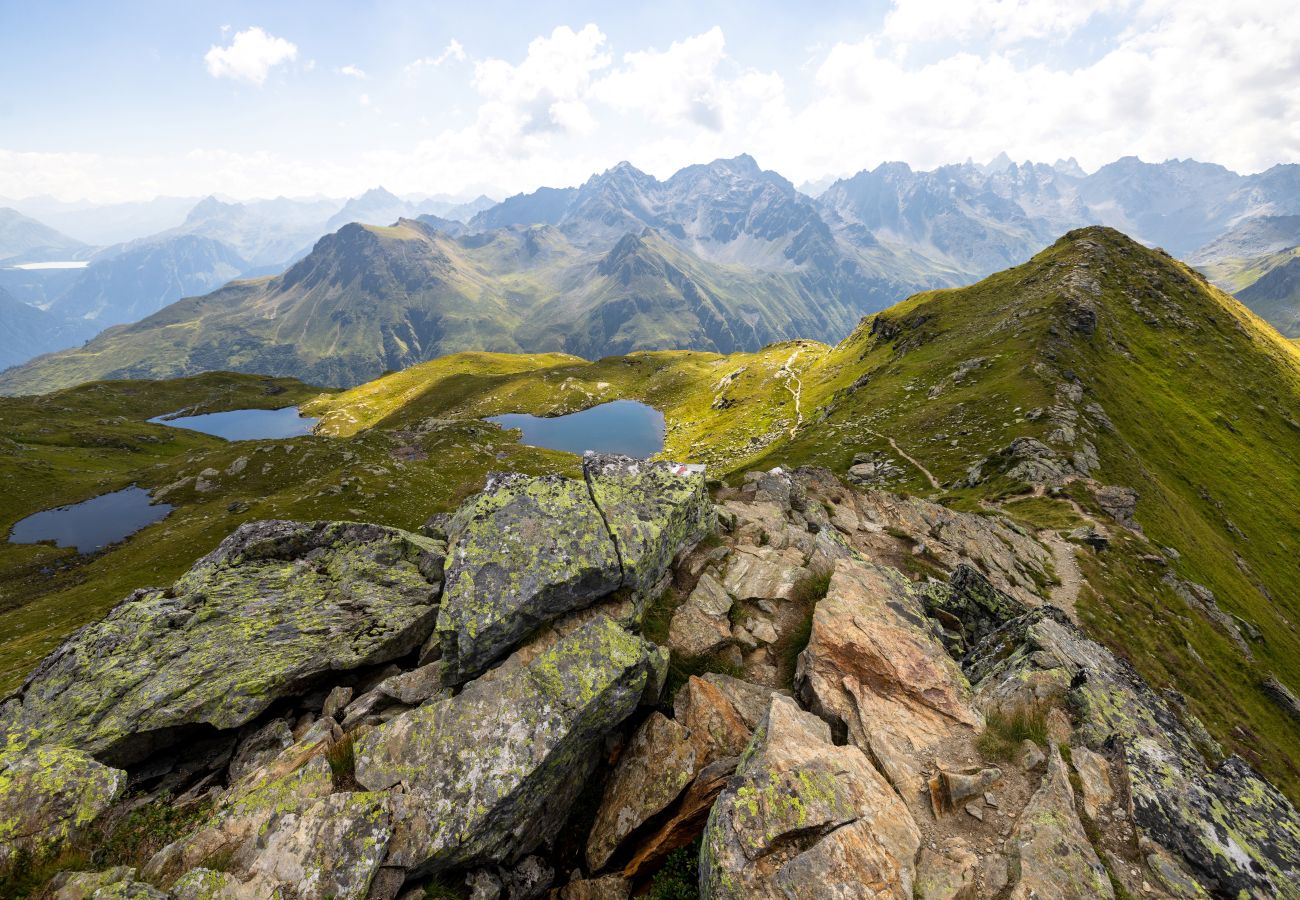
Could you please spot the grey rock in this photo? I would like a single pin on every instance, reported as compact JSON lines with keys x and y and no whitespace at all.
{"x":523,"y":552}
{"x":336,"y":701}
{"x":276,"y":605}
{"x":490,"y":773}
{"x":415,"y":686}
{"x":1227,"y":825}
{"x":654,"y":510}
{"x":260,"y":747}
{"x":1056,"y":858}
{"x":50,"y":795}
{"x":119,"y":883}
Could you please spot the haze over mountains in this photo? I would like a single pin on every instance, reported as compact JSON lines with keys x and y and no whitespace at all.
{"x":724,"y":256}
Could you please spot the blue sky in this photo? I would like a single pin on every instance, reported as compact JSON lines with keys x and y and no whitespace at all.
{"x":131,"y":99}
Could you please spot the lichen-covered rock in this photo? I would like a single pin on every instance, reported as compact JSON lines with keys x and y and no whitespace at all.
{"x":330,"y":849}
{"x":804,"y":818}
{"x":118,"y":883}
{"x":209,"y":884}
{"x":653,"y":509}
{"x":290,"y":784}
{"x":656,"y":767}
{"x":48,"y":794}
{"x":1056,"y":859}
{"x":874,"y":664}
{"x":969,"y":607}
{"x":1234,"y":831}
{"x":489,"y":774}
{"x":275,"y":606}
{"x":523,"y":552}
{"x":947,"y":874}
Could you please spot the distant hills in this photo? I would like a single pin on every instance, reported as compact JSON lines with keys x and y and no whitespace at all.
{"x":25,"y":240}
{"x":720,"y":256}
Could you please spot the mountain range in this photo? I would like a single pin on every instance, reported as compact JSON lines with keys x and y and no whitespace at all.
{"x":995,"y":597}
{"x":730,"y":256}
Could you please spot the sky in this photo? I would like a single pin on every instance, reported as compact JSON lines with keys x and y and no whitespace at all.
{"x":128,"y":100}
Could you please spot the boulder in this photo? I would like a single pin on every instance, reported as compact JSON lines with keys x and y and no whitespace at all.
{"x":874,"y":665}
{"x":1056,"y":859}
{"x":701,"y":625}
{"x":118,"y":883}
{"x":950,"y":874}
{"x":654,"y":510}
{"x":49,"y":795}
{"x":1118,"y":502}
{"x":523,"y":552}
{"x":276,"y":606}
{"x":331,"y":849}
{"x":490,"y":774}
{"x":763,"y":572}
{"x":658,"y":764}
{"x":804,"y":818}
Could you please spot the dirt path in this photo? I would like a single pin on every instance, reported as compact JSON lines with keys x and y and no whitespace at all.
{"x":796,"y":391}
{"x":1065,"y":594}
{"x":934,"y":482}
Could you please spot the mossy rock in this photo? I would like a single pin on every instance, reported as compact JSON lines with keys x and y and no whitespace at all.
{"x":276,"y":607}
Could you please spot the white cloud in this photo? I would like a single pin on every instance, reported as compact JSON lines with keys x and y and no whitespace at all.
{"x":352,"y":71}
{"x":1156,"y":78}
{"x":364,"y":99}
{"x":453,"y":52}
{"x":1004,"y":21}
{"x":250,"y":56}
{"x":544,"y":93}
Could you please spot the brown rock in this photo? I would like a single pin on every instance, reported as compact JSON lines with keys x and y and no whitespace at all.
{"x":610,"y":887}
{"x":1094,"y":779}
{"x":656,"y":767}
{"x":873,"y":664}
{"x":804,"y":818}
{"x":949,"y":874}
{"x":688,"y":818}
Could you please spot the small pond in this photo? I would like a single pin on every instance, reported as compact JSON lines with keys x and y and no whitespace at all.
{"x":93,"y":523}
{"x":622,"y":426}
{"x":244,"y":424}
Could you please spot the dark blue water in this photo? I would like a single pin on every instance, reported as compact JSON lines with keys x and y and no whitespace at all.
{"x":245,"y":424}
{"x":623,"y":426}
{"x":92,"y":524}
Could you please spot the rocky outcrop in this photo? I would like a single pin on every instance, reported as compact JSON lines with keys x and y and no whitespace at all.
{"x":653,"y":510}
{"x":875,"y":666}
{"x":48,"y":794}
{"x":805,"y":818}
{"x":275,"y":607}
{"x":489,"y":774}
{"x":1056,"y":858}
{"x":1236,"y":833}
